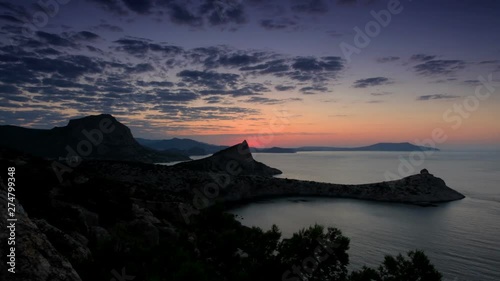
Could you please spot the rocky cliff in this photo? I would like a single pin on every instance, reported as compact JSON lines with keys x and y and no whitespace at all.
{"x":92,"y":137}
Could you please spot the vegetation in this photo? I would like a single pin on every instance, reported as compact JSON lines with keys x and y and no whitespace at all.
{"x":217,"y":247}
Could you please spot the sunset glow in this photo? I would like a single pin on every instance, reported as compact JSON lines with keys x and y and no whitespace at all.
{"x":221,"y":78}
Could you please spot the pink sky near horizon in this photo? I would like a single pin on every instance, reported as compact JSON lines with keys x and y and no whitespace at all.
{"x":271,"y":80}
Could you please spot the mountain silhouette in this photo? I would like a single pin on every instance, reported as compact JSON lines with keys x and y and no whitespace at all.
{"x":183,"y":146}
{"x":92,"y":137}
{"x":236,"y":159}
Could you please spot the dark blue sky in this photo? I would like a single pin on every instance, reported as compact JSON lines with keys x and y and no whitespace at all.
{"x":191,"y":68}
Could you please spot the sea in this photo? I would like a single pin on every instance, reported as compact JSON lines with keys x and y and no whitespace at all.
{"x":461,"y":238}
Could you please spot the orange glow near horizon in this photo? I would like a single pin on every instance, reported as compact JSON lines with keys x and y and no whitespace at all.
{"x":319,"y":123}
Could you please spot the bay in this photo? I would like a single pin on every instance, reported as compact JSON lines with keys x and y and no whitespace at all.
{"x":461,"y":238}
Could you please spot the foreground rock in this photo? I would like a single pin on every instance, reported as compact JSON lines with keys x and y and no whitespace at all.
{"x":36,"y":259}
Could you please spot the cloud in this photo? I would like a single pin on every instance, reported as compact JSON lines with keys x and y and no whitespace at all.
{"x":247,"y":90}
{"x":14,"y":8}
{"x":71,"y":66}
{"x":263,"y":100}
{"x":314,"y":64}
{"x":436,"y":97}
{"x":61,"y":83}
{"x":311,"y":90}
{"x":237,"y":60}
{"x":381,"y":94}
{"x":489,"y":62}
{"x":224,"y":56}
{"x":131,"y":75}
{"x":140,"y":7}
{"x":276,"y":24}
{"x":133,"y":46}
{"x":181,"y":95}
{"x":48,"y":52}
{"x":439,"y":67}
{"x":223,"y":12}
{"x":310,"y":69}
{"x":209,"y":79}
{"x":9,"y":90}
{"x":270,"y":67}
{"x":107,"y":27}
{"x":422,"y":57}
{"x":141,"y":68}
{"x":85,"y":36}
{"x":23,"y":117}
{"x":17,"y":74}
{"x":114,"y":6}
{"x":11,"y":19}
{"x":473,"y":82}
{"x":284,"y":88}
{"x":445,"y":80}
{"x":346,"y":2}
{"x":191,"y":13}
{"x":165,"y":49}
{"x":370,"y":82}
{"x":215,"y":99}
{"x":141,"y":47}
{"x":54,"y":39}
{"x":8,"y":58}
{"x":185,"y":113}
{"x":166,"y":84}
{"x":270,"y":101}
{"x":387,"y":59}
{"x":310,"y":6}
{"x":181,"y":15}
{"x":208,"y":56}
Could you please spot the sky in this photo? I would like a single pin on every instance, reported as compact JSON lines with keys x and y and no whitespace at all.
{"x":277,"y":73}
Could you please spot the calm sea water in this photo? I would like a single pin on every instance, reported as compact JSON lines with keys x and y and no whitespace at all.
{"x":461,"y":238}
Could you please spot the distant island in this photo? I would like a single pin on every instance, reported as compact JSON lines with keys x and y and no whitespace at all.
{"x":273,"y":150}
{"x":383,"y":146}
{"x":192,"y":147}
{"x":181,"y":146}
